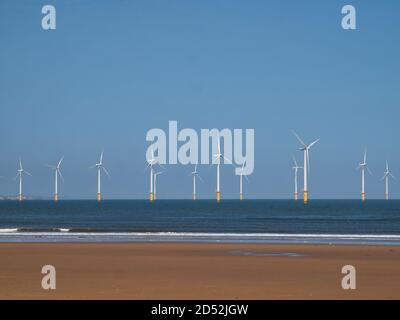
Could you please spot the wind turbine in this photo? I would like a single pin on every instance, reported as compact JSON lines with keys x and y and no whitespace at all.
{"x":155,"y":174}
{"x":386,"y":176}
{"x":363,"y":166}
{"x":217,"y":160}
{"x":150,"y":163}
{"x":100,"y":167}
{"x":241,"y":174}
{"x":195,"y":174}
{"x":306,"y":166}
{"x":20,"y":173}
{"x":296,"y":169}
{"x":57,"y":170}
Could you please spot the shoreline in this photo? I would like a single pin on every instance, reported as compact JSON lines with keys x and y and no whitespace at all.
{"x":198,"y":271}
{"x":12,"y":235}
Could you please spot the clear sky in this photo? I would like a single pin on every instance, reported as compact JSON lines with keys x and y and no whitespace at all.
{"x":112,"y":70}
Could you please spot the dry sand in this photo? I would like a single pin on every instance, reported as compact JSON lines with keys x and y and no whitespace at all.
{"x":197,"y":271}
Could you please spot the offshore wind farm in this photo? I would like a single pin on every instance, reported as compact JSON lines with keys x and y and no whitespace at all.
{"x":152,"y":163}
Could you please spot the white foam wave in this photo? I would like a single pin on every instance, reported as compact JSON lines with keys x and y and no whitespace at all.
{"x":208,"y":234}
{"x":8,"y":230}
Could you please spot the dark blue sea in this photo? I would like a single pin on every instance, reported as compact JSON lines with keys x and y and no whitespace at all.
{"x":254,"y":221}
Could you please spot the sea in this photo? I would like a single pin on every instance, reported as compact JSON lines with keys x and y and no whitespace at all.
{"x":376,"y":222}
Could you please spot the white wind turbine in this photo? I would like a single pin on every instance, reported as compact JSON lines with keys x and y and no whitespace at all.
{"x":150,"y":164}
{"x":20,"y":173}
{"x":57,"y":170}
{"x":195,"y":174}
{"x":100,"y":167}
{"x":385,"y":177}
{"x":363,"y":166}
{"x":155,"y":174}
{"x":241,"y":174}
{"x":296,"y":169}
{"x":217,"y":161}
{"x":306,"y":166}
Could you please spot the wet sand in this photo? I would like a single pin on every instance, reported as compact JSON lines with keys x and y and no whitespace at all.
{"x":197,"y":271}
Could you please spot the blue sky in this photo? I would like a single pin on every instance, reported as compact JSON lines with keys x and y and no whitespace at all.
{"x":112,"y":70}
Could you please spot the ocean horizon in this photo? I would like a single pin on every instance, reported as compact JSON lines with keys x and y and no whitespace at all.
{"x":231,"y":221}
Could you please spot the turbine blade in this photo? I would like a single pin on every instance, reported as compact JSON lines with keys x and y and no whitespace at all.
{"x":59,"y":162}
{"x":294,"y":161}
{"x":312,"y":143}
{"x":227,"y":159}
{"x":365,"y":155}
{"x":161,"y":165}
{"x":105,"y":170}
{"x":298,"y":138}
{"x":26,"y":172}
{"x":214,"y":162}
{"x":369,"y":171}
{"x":61,"y":176}
{"x":101,"y":157}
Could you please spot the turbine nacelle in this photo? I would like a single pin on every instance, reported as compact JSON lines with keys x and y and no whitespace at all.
{"x":99,"y":165}
{"x":387,"y":173}
{"x":21,"y":170}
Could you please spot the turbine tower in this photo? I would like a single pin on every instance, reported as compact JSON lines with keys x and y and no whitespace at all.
{"x":385,"y":177}
{"x":241,"y":174}
{"x":57,"y":171}
{"x":296,"y":169}
{"x":155,"y":174}
{"x":195,"y":174}
{"x":217,"y":161}
{"x":100,"y":167}
{"x":306,"y":166}
{"x":20,"y":173}
{"x":150,"y":164}
{"x":363,"y":167}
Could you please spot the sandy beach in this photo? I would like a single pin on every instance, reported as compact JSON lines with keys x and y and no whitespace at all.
{"x":197,"y":271}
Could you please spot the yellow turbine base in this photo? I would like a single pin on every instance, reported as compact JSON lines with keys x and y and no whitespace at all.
{"x":194,"y":196}
{"x":241,"y":196}
{"x":305,"y":197}
{"x":20,"y":197}
{"x":218,"y":196}
{"x":362,"y":196}
{"x":56,"y":197}
{"x":296,"y":196}
{"x":98,"y":196}
{"x":151,"y":197}
{"x":387,"y":196}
